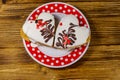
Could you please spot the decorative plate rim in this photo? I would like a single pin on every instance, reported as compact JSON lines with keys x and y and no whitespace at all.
{"x":62,"y":66}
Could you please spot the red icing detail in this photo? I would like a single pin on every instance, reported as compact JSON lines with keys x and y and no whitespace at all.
{"x":67,"y":40}
{"x":40,"y":24}
{"x":60,"y":24}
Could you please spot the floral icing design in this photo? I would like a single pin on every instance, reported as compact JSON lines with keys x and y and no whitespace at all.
{"x":48,"y":31}
{"x":67,"y":37}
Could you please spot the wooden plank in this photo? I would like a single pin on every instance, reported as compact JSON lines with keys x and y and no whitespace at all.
{"x":100,"y":62}
{"x":46,"y":1}
{"x":104,"y":19}
{"x":0,"y":4}
{"x":4,"y":1}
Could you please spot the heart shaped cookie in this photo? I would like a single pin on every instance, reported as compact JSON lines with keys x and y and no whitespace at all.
{"x":68,"y":33}
{"x":41,"y":30}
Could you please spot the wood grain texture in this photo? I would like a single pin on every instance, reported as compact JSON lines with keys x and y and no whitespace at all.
{"x":3,"y":1}
{"x":44,"y":1}
{"x":101,"y":61}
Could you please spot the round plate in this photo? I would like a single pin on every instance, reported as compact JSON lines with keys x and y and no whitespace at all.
{"x":50,"y":57}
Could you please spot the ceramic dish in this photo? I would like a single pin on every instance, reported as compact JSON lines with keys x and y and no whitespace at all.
{"x":55,"y":58}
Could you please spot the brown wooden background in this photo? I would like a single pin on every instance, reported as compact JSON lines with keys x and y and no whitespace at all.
{"x":101,"y":61}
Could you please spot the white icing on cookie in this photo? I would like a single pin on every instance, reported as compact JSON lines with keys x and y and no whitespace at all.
{"x":69,"y":33}
{"x":40,"y":30}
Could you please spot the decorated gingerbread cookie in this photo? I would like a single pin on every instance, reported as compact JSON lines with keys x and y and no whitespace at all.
{"x":41,"y":30}
{"x":69,"y":34}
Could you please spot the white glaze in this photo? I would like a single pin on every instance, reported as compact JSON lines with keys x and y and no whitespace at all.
{"x":29,"y":28}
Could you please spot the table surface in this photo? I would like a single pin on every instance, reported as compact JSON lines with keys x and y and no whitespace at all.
{"x":101,"y":61}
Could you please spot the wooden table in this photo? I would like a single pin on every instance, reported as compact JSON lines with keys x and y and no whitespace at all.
{"x":101,"y":61}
